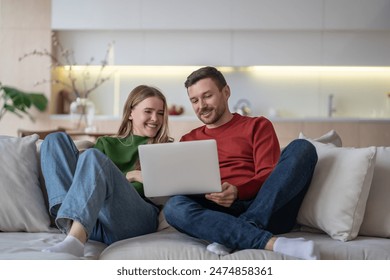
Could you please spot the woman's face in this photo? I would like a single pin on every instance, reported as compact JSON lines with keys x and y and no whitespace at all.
{"x":147,"y":117}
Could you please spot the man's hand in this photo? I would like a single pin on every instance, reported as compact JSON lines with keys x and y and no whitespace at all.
{"x":226,"y":197}
{"x":134,"y":175}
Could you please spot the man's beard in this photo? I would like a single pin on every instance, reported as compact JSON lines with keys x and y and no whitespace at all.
{"x":217,"y":116}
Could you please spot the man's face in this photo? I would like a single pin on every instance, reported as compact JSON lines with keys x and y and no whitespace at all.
{"x":209,"y":103}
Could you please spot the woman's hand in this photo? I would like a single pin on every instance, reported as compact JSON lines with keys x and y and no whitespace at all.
{"x":226,"y":197}
{"x":134,"y":176}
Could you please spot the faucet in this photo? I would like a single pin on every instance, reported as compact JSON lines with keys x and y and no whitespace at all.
{"x":331,"y":105}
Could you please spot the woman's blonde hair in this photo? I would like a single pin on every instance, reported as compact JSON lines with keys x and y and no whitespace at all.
{"x":137,"y":95}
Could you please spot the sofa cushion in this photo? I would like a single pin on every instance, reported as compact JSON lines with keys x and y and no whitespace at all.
{"x":170,"y":244}
{"x":336,"y":200}
{"x":331,"y":137}
{"x":22,"y":206}
{"x":376,"y":220}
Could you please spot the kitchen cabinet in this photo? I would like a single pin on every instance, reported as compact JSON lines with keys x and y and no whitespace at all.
{"x":228,"y":32}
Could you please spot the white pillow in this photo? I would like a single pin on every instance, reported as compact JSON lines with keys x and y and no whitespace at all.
{"x":376,"y":220}
{"x":331,"y":137}
{"x":337,"y":196}
{"x":22,"y":206}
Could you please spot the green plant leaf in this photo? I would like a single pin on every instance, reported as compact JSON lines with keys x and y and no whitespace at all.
{"x":18,"y":102}
{"x":39,"y":101}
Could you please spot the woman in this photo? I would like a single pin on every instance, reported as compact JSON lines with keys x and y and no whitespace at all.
{"x":98,"y":194}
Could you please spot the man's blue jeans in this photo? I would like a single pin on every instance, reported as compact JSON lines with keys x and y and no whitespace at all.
{"x":250,"y":224}
{"x":90,"y":189}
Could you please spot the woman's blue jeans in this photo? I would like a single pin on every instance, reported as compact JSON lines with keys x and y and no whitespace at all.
{"x":90,"y":189}
{"x":250,"y":224}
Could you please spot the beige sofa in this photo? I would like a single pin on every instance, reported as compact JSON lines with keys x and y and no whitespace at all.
{"x":346,"y":211}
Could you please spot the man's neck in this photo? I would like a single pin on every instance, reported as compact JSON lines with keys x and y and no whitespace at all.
{"x":227,"y":117}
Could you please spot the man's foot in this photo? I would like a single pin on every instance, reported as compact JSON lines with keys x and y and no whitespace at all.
{"x":296,"y":247}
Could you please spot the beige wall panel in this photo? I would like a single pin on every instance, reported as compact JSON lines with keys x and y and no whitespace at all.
{"x":178,"y":128}
{"x":287,"y":131}
{"x":25,"y":14}
{"x":374,"y":134}
{"x":24,"y":26}
{"x":348,"y":131}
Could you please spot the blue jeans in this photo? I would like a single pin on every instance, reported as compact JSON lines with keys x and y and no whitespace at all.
{"x":250,"y":224}
{"x":90,"y":189}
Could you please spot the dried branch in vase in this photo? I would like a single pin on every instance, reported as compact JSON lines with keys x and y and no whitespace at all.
{"x":65,"y":58}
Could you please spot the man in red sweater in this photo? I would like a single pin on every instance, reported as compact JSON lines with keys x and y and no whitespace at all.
{"x":262,"y":189}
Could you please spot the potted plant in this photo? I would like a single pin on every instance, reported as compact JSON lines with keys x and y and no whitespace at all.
{"x":82,"y":110}
{"x":19,"y":102}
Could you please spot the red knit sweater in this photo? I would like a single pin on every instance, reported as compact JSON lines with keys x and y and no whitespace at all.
{"x":248,"y":150}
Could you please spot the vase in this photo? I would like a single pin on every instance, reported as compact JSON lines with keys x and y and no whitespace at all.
{"x":82,"y":113}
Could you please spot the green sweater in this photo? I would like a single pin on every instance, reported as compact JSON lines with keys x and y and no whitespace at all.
{"x":123,"y":152}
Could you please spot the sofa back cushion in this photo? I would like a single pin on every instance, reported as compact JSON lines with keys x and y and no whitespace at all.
{"x":376,"y":220}
{"x":336,"y":200}
{"x":22,"y":206}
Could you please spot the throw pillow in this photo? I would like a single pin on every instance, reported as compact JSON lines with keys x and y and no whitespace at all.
{"x":336,"y":199}
{"x":376,"y":220}
{"x":330,"y":137}
{"x":22,"y":207}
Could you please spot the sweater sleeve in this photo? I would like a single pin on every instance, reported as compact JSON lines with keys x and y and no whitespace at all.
{"x":266,"y":153}
{"x":99,"y":145}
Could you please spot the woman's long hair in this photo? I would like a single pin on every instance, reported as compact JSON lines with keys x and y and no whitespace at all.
{"x":137,"y":95}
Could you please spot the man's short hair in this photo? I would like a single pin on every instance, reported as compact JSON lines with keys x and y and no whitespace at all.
{"x":206,"y":72}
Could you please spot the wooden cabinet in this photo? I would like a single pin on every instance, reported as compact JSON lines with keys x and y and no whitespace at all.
{"x":353,"y":133}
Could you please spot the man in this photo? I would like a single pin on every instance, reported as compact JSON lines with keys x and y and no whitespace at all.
{"x":261,"y":189}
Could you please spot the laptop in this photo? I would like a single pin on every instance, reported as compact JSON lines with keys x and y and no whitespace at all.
{"x":180,"y":168}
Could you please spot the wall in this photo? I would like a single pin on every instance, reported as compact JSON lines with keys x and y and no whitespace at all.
{"x":24,"y":26}
{"x":227,"y":32}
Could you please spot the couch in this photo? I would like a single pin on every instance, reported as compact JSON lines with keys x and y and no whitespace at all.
{"x":345,"y":212}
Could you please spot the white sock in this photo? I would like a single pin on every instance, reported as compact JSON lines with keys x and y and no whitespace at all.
{"x":70,"y":245}
{"x":218,"y":249}
{"x":296,"y":247}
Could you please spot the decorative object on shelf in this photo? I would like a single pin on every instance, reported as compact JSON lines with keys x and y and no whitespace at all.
{"x":175,"y":110}
{"x":82,"y":113}
{"x":81,"y":85}
{"x":19,"y":102}
{"x":243,"y":107}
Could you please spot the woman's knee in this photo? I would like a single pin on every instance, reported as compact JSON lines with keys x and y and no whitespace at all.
{"x":53,"y":140}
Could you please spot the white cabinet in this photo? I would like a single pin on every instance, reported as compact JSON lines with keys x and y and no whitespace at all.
{"x":276,"y":15}
{"x":228,"y":32}
{"x":361,"y":48}
{"x":356,"y":14}
{"x":276,"y":48}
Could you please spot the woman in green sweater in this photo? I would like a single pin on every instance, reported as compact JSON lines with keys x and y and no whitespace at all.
{"x":98,"y":194}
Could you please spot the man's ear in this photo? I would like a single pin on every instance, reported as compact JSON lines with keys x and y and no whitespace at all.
{"x":226,"y":91}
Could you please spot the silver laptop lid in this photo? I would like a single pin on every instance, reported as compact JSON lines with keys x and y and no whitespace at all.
{"x":180,"y":168}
